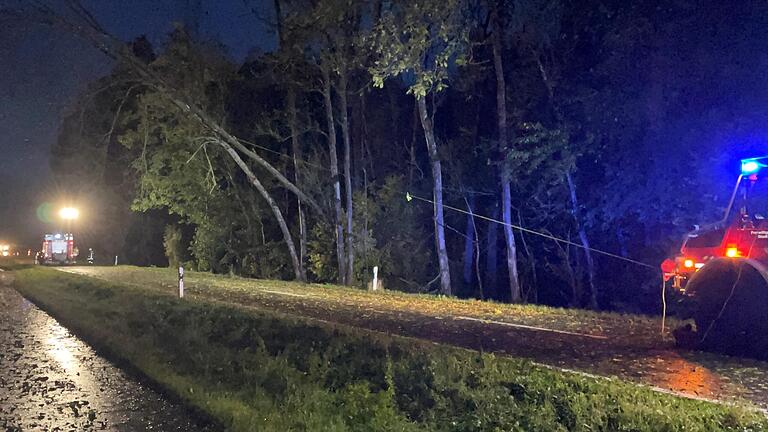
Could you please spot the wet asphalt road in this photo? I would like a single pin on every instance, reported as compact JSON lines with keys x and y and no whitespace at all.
{"x":52,"y":381}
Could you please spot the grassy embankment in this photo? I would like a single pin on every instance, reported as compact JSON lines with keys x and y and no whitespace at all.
{"x":637,"y":330}
{"x":252,"y":369}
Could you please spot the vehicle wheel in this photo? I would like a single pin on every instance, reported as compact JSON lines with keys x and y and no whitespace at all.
{"x":731,"y":307}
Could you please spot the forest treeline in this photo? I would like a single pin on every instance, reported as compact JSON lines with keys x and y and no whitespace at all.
{"x":413,"y":136}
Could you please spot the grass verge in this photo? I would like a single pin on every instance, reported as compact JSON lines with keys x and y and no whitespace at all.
{"x":637,"y":330}
{"x":252,"y":369}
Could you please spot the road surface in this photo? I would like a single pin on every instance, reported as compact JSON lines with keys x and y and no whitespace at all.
{"x":52,"y":381}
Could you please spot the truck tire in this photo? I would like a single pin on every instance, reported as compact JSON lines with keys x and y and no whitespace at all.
{"x":730,"y":298}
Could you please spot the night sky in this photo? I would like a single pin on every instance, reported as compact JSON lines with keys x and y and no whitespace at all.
{"x":42,"y":71}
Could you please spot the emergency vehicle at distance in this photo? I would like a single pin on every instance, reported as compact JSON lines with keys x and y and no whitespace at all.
{"x":58,"y":248}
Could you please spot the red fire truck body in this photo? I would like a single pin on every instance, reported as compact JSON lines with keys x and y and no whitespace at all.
{"x":59,"y":248}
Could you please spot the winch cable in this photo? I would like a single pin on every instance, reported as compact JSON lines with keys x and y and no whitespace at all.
{"x":409,"y":196}
{"x":534,"y":232}
{"x":663,"y":305}
{"x":730,"y":295}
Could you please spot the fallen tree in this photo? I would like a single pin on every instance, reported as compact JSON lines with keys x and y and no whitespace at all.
{"x":85,"y":26}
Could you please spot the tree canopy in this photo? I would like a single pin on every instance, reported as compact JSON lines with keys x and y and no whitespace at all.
{"x":622,"y":126}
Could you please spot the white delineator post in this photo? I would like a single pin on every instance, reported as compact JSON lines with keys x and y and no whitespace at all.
{"x":181,"y":282}
{"x":115,"y":259}
{"x":375,"y":277}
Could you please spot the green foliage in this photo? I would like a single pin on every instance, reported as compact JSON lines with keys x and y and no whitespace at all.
{"x":181,"y":169}
{"x":422,"y":38}
{"x":175,"y":247}
{"x":534,"y":146}
{"x":596,"y":89}
{"x":322,"y":259}
{"x":403,"y":249}
{"x":255,"y":370}
{"x":266,"y":261}
{"x":208,"y":246}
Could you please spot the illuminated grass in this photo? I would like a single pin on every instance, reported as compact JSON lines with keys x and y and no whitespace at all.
{"x":633,"y":350}
{"x":253,"y":369}
{"x":642,"y":330}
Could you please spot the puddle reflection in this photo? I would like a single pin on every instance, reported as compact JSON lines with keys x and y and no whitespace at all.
{"x":57,"y":382}
{"x":60,"y":345}
{"x":688,"y":377}
{"x":58,"y":349}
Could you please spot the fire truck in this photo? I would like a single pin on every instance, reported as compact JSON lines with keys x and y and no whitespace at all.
{"x":722,"y":270}
{"x":59,"y":249}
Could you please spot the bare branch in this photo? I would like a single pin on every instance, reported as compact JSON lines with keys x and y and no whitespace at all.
{"x":108,"y":135}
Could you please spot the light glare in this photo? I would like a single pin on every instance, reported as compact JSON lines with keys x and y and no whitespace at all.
{"x":69,"y":213}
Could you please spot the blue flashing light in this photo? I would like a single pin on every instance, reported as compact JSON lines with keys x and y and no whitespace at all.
{"x":750,"y":167}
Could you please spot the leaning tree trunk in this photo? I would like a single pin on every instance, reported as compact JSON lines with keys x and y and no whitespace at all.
{"x":347,"y":171}
{"x":437,"y":195}
{"x":298,"y":268}
{"x":115,"y":49}
{"x":506,"y":195}
{"x":296,"y":150}
{"x":295,"y":145}
{"x":338,"y":219}
{"x":584,"y":242}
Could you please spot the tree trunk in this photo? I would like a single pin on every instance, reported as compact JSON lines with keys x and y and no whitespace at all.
{"x":412,"y":147}
{"x":584,"y":243}
{"x":342,"y":90}
{"x":365,"y":148}
{"x":532,"y":295}
{"x":506,"y":195}
{"x":476,"y":241}
{"x":298,"y":268}
{"x":297,"y":154}
{"x":295,"y":145}
{"x":241,"y":203}
{"x":437,"y":195}
{"x":469,"y":246}
{"x":492,"y":254}
{"x":572,"y":190}
{"x":338,"y":218}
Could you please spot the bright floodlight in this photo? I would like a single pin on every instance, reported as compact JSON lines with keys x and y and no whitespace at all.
{"x":749,"y":167}
{"x":69,"y":213}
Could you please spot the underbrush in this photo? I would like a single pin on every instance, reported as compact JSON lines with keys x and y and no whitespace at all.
{"x":252,"y":369}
